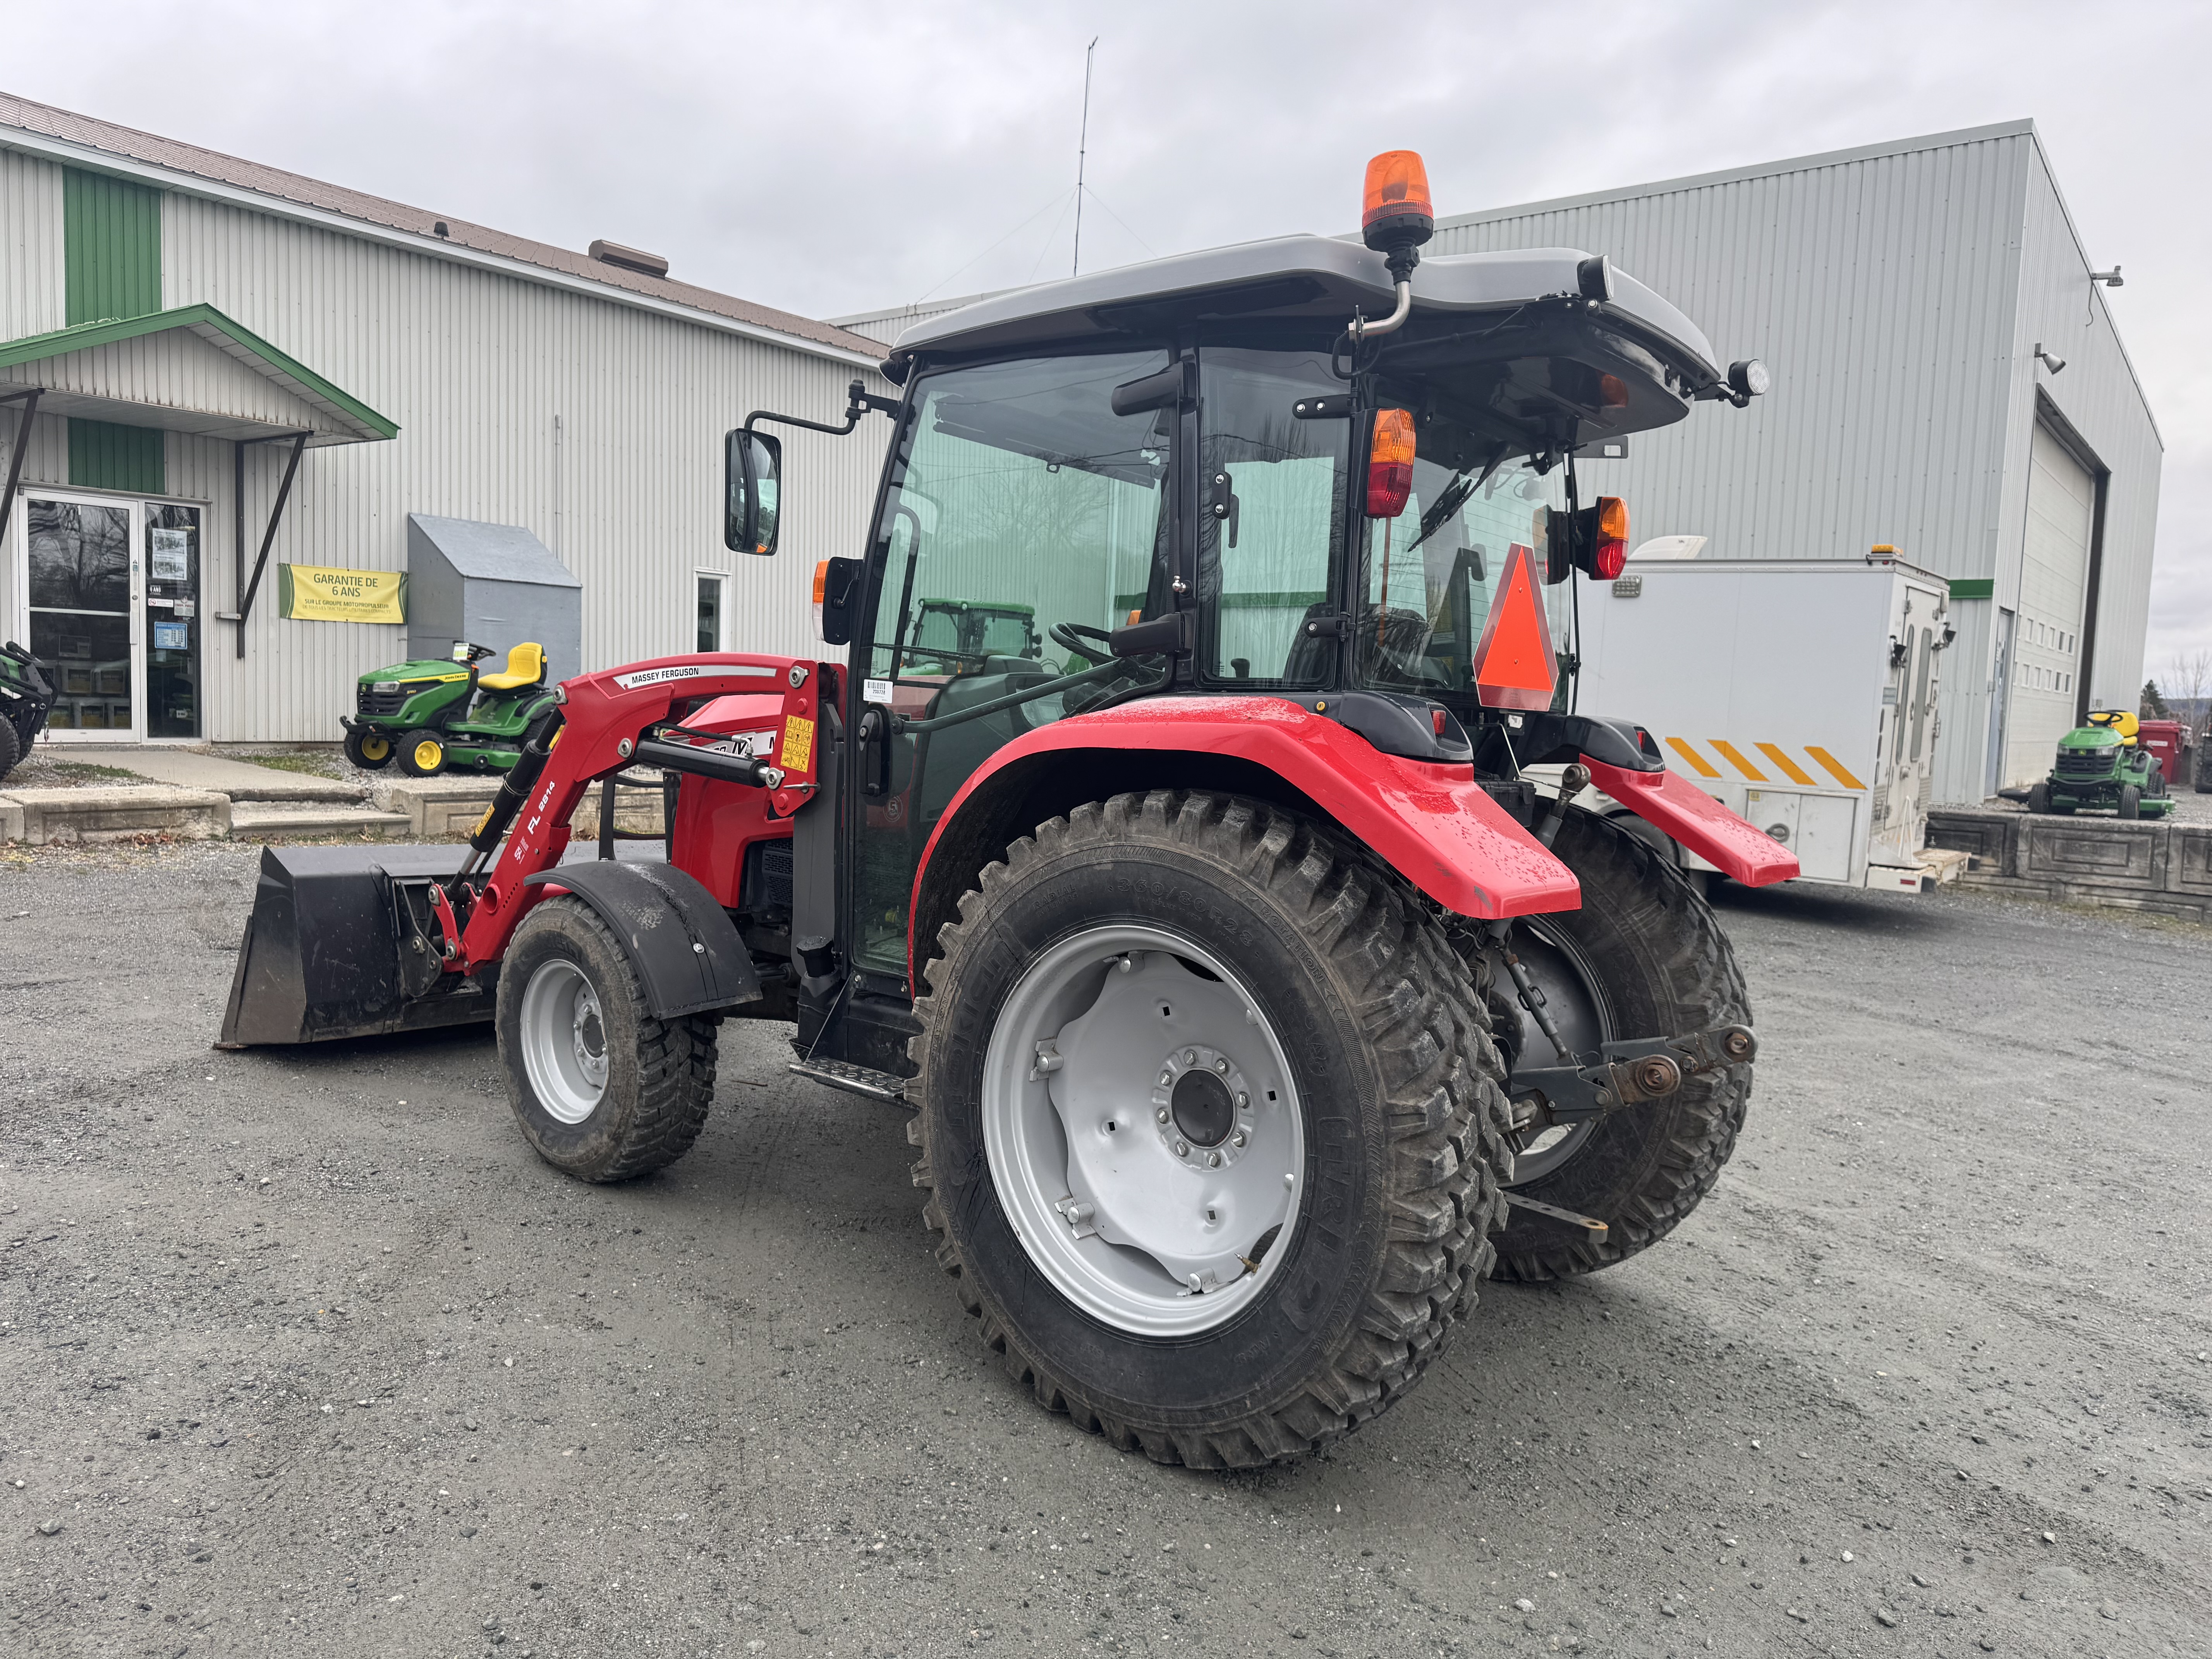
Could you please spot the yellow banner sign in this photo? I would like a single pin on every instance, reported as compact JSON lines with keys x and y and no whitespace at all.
{"x":307,"y":592}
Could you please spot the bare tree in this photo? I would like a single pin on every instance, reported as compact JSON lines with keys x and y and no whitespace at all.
{"x":2189,"y":681}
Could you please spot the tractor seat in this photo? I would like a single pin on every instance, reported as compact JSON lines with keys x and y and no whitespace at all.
{"x":526,"y":666}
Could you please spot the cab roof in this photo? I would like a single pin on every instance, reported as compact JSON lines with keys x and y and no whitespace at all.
{"x":1291,"y":277}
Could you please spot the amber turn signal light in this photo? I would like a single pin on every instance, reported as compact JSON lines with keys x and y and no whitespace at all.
{"x":1397,"y":212}
{"x":1390,"y":464}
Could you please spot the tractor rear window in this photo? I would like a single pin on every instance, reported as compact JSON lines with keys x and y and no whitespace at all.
{"x":1428,"y":574}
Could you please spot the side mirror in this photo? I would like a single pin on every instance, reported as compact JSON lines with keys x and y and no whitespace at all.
{"x":837,"y":587}
{"x":752,"y":467}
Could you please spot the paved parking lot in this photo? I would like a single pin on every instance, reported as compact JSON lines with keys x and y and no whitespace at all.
{"x":303,"y":1352}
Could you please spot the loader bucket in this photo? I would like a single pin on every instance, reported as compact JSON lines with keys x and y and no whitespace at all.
{"x":330,"y":950}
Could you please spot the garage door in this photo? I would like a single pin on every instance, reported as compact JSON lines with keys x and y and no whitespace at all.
{"x":2046,"y":658}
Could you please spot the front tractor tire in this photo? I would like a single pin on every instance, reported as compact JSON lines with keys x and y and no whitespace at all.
{"x":1211,"y":1123}
{"x":1643,"y":957}
{"x":602,"y":1091}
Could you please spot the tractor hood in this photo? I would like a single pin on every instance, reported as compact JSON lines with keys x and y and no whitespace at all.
{"x":2087,"y":740}
{"x":1315,"y":278}
{"x":426,"y":668}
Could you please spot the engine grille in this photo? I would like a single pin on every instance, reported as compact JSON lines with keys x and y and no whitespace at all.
{"x":2090,"y":766}
{"x":386,"y":698}
{"x":767,"y":883}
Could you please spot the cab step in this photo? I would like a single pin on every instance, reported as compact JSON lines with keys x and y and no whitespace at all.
{"x":853,"y":1079}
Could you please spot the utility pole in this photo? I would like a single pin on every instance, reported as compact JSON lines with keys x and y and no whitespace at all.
{"x":1082,"y":152}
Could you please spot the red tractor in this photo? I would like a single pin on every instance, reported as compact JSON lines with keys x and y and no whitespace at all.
{"x":1251,"y":999}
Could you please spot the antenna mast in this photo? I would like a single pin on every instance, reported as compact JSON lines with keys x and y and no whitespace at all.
{"x":1082,"y":152}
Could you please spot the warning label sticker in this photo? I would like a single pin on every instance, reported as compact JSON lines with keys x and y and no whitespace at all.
{"x":797,"y":744}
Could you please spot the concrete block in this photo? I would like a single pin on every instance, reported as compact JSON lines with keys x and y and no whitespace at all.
{"x":261,"y":820}
{"x":2105,"y":851}
{"x":11,"y":820}
{"x":117,"y":813}
{"x":2188,"y":861}
{"x":1990,"y":837}
{"x":438,"y":808}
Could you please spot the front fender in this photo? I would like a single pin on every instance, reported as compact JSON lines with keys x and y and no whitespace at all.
{"x":1739,"y":850}
{"x":1431,"y":822}
{"x":683,"y":945}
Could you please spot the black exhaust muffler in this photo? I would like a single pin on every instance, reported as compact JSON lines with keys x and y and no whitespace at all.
{"x":342,"y":943}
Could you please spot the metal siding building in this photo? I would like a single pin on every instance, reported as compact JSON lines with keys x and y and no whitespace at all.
{"x":529,"y":385}
{"x":1898,"y":293}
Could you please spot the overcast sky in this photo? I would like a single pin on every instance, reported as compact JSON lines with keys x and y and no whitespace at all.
{"x":830,"y":158}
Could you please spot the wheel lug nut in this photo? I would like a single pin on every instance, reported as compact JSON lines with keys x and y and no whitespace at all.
{"x":1190,"y":1056}
{"x":1162,"y":1114}
{"x":1237,"y":1140}
{"x":1244,"y":1101}
{"x":1166,"y":1078}
{"x":1220,"y":1065}
{"x":1213,"y":1160}
{"x":1182,"y":1149}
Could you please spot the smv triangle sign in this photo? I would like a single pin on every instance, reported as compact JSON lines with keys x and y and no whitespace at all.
{"x":1514,"y":667}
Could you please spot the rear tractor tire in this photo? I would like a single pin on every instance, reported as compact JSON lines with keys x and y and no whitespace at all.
{"x":11,"y":746}
{"x":423,"y":753}
{"x":603,"y":1090}
{"x":1211,"y":1123}
{"x":1643,"y":957}
{"x":370,"y":750}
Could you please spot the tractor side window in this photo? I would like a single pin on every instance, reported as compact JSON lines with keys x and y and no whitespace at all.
{"x":1427,"y":574}
{"x":1026,"y":520}
{"x":1272,"y":487}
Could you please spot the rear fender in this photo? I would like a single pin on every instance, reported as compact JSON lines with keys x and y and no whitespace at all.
{"x":1431,"y":822}
{"x":1673,"y":803}
{"x":683,"y":945}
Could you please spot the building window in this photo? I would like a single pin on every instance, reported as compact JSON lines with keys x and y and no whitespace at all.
{"x":713,"y":614}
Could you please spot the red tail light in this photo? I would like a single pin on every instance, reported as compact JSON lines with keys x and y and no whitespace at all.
{"x":1390,"y":464}
{"x":1610,"y":555}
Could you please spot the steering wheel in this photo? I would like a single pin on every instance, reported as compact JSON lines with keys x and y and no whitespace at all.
{"x":1071,"y":635}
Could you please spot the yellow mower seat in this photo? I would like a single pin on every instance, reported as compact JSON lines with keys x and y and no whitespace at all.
{"x":526,"y":666}
{"x":2121,"y":720}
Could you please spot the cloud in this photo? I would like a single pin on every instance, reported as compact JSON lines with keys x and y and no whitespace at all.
{"x":832,"y":157}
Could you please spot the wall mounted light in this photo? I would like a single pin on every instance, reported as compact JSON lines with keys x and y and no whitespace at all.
{"x":2110,"y":279}
{"x":2054,"y":364}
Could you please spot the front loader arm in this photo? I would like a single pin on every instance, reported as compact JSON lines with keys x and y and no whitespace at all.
{"x":604,"y":722}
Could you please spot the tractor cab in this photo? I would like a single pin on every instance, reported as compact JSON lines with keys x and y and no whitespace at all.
{"x":1299,"y":469}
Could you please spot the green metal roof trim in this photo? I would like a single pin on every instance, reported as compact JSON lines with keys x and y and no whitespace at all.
{"x":226,"y":336}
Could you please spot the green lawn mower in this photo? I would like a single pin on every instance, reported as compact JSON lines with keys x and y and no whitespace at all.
{"x":25,"y":696}
{"x":2103,"y":768}
{"x":433,"y":716}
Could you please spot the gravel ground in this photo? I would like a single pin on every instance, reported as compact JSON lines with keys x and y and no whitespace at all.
{"x":302,"y":1352}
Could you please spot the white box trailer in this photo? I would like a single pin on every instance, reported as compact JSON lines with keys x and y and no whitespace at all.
{"x":1802,"y":694}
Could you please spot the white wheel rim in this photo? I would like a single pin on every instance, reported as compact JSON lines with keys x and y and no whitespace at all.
{"x":564,"y":1041}
{"x":1144,"y":1156}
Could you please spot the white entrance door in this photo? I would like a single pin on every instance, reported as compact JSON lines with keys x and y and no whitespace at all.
{"x":108,"y":606}
{"x":2047,"y":645}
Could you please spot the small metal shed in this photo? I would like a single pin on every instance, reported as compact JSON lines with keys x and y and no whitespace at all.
{"x":490,"y":584}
